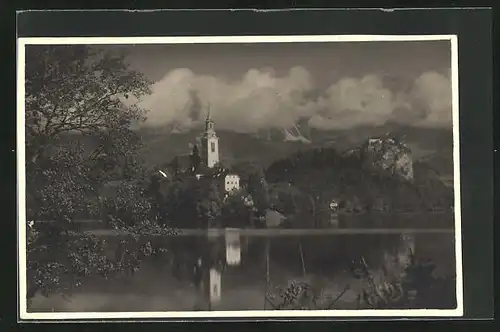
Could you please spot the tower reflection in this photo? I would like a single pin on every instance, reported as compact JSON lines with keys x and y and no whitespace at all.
{"x":216,"y":252}
{"x":233,"y":247}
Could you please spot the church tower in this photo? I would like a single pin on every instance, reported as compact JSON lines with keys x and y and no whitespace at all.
{"x":210,"y":144}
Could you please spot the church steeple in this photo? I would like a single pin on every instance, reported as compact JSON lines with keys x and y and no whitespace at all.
{"x":210,"y":143}
{"x":209,"y":124}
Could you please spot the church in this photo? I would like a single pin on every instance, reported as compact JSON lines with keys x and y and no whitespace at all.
{"x":204,"y":163}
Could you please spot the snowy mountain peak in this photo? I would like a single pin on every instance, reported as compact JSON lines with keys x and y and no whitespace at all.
{"x":283,"y":134}
{"x":294,"y":134}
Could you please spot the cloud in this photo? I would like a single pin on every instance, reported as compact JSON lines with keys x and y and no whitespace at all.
{"x":258,"y":100}
{"x":263,"y":100}
{"x":432,"y":92}
{"x":353,"y":102}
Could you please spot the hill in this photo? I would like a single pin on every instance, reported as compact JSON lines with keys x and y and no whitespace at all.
{"x":442,"y":164}
{"x":324,"y":174}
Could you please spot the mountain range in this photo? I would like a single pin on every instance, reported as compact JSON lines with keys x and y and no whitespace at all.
{"x":434,"y":146}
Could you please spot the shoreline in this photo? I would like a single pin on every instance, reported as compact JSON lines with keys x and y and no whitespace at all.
{"x":340,"y":214}
{"x":280,"y":232}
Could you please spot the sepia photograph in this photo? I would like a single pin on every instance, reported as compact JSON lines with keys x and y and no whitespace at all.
{"x":287,"y":176}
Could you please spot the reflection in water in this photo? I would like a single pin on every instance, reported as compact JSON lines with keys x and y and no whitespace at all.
{"x":233,"y":247}
{"x":232,"y":272}
{"x":406,"y":248}
{"x":215,"y":285}
{"x":210,"y":288}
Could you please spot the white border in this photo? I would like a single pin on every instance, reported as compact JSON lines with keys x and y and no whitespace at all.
{"x":24,"y":315}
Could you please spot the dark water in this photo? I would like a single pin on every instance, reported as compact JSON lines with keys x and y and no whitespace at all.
{"x":180,"y":278}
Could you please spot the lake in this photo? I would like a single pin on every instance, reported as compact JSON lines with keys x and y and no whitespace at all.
{"x":235,"y":269}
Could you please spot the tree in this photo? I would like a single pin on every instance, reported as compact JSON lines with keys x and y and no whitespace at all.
{"x":259,"y":189}
{"x":77,"y":89}
{"x":237,"y":210}
{"x":177,"y":199}
{"x":79,"y":115}
{"x":127,"y":206}
{"x":254,"y":178}
{"x":77,"y":123}
{"x":209,"y":205}
{"x":195,"y":157}
{"x":246,"y":169}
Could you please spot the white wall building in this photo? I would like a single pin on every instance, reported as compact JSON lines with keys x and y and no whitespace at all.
{"x":231,"y":182}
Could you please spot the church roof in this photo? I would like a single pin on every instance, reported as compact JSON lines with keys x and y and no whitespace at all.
{"x":222,"y":173}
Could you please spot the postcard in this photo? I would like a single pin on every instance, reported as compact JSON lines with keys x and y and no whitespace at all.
{"x":239,"y":177}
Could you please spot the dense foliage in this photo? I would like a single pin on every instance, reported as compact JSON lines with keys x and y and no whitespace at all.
{"x":239,"y":210}
{"x":325,"y":175}
{"x":254,"y":179}
{"x":188,"y":202}
{"x":415,"y":286}
{"x":78,"y":138}
{"x":301,"y":187}
{"x":300,"y":295}
{"x":185,"y":201}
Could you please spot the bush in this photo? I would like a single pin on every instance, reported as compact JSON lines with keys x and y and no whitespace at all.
{"x":300,"y":295}
{"x":414,"y":287}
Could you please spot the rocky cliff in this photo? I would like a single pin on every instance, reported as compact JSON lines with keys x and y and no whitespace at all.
{"x":387,"y":156}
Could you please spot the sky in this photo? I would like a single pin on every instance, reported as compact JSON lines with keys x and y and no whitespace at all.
{"x":332,"y":86}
